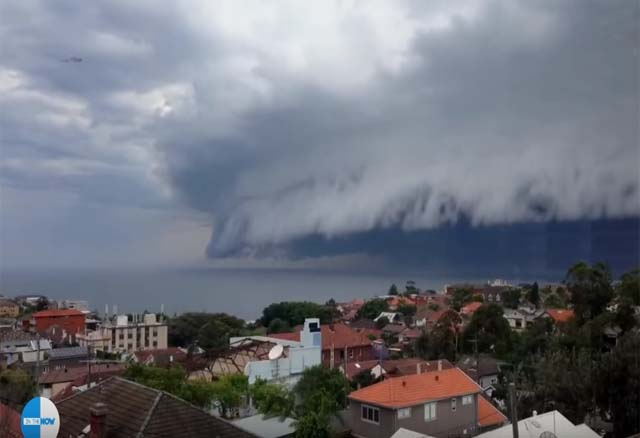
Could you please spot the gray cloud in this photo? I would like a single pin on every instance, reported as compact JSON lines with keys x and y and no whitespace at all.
{"x":283,"y":123}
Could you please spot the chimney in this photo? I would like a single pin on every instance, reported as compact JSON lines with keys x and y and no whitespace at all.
{"x":535,"y":413}
{"x":98,"y":421}
{"x":419,"y":368}
{"x":437,"y":378}
{"x":439,"y":365}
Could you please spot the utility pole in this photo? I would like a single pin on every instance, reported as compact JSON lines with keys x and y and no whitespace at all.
{"x":514,"y":414}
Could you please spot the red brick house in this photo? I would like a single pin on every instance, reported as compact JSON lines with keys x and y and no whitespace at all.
{"x":69,"y":321}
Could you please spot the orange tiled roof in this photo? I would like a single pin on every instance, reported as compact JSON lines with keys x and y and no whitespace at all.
{"x":561,"y":315}
{"x":489,"y":415}
{"x":340,"y":336}
{"x":418,"y":388}
{"x":471,"y":308}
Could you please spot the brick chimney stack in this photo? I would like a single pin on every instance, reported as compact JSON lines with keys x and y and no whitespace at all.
{"x":98,"y":420}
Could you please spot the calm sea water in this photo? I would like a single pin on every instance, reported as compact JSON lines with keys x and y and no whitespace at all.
{"x":243,"y":293}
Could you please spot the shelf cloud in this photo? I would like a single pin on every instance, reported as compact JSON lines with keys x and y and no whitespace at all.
{"x":286,"y":123}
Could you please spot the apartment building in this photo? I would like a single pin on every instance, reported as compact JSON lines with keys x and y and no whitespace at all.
{"x":124,"y":336}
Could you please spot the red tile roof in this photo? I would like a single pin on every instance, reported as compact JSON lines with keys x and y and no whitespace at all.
{"x":9,"y":422}
{"x":471,"y":308}
{"x":561,"y":315}
{"x":396,"y":367}
{"x":53,"y":313}
{"x":334,"y":336}
{"x":71,"y":374}
{"x":405,"y":391}
{"x":489,"y":415}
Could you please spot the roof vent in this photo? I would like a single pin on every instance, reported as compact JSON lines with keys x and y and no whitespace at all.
{"x":404,"y":383}
{"x":437,"y":377}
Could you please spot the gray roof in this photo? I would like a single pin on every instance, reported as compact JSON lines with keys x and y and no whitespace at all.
{"x":267,"y":427}
{"x":68,"y":353}
{"x":135,"y":410}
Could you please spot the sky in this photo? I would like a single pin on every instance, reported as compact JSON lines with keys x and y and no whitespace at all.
{"x":339,"y":134}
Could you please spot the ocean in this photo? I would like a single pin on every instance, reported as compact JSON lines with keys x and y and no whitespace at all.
{"x":243,"y":293}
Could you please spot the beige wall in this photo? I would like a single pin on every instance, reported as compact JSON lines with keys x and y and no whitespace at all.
{"x":10,"y":311}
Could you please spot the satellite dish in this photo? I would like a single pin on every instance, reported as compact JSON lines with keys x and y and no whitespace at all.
{"x":276,"y":352}
{"x":358,"y":366}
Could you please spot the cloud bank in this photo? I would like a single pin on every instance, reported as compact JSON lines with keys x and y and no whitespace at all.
{"x":290,"y":121}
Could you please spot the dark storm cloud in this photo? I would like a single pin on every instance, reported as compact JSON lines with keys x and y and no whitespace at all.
{"x":297,"y":128}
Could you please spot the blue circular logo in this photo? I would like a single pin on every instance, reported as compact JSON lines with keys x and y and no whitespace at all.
{"x":40,"y":419}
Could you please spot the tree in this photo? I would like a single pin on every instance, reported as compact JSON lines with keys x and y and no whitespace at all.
{"x":278,"y":326}
{"x":189,"y":328}
{"x":489,"y":326}
{"x":461,"y":297}
{"x":173,"y":380}
{"x":422,"y":346}
{"x":319,"y":395}
{"x":564,"y":382}
{"x":16,"y":387}
{"x":272,"y":399}
{"x":42,"y":304}
{"x":410,"y":288}
{"x":393,"y":290}
{"x":590,"y":289}
{"x":229,"y":393}
{"x":511,"y":298}
{"x":407,"y":309}
{"x":533,"y":295}
{"x":381,"y":322}
{"x":295,"y":312}
{"x":629,"y":287}
{"x":618,"y":385}
{"x":318,"y":378}
{"x":372,"y":308}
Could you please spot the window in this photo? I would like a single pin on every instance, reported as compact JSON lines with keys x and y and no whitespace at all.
{"x":454,"y":403}
{"x":155,"y":343}
{"x":371,"y":415}
{"x":497,"y":297}
{"x":467,"y":400}
{"x":351,"y":354}
{"x":430,"y":411}
{"x":518,"y":323}
{"x":404,"y":413}
{"x":489,"y":297}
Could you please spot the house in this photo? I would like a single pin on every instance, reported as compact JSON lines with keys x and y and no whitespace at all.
{"x":521,"y":318}
{"x":394,"y":367}
{"x":393,"y":329}
{"x":340,"y":343}
{"x":430,"y":318}
{"x":8,"y":308}
{"x":52,"y":382}
{"x":484,"y":369}
{"x":392,"y":317}
{"x":549,"y":424}
{"x":349,"y":311}
{"x":120,"y":335}
{"x":286,"y":367}
{"x":436,"y":403}
{"x":67,"y":323}
{"x":68,"y":357}
{"x":470,"y":309}
{"x":559,"y":316}
{"x":18,"y":346}
{"x":120,"y":408}
{"x":396,"y":301}
{"x":409,"y":335}
{"x":160,"y":357}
